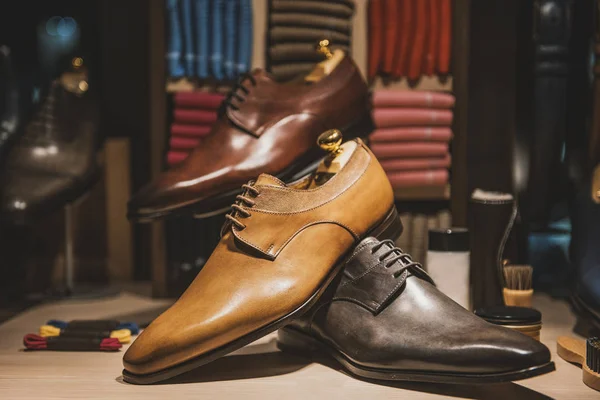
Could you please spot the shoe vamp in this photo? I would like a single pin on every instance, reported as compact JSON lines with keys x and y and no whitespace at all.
{"x":236,"y":294}
{"x":422,"y":330}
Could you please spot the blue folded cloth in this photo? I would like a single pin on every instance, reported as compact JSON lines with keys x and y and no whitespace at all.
{"x":175,"y":40}
{"x":231,"y":25}
{"x":244,"y":60}
{"x":188,"y":37}
{"x":216,"y":57}
{"x":202,"y":11}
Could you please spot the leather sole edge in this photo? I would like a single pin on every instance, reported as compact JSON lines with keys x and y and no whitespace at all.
{"x":294,"y":342}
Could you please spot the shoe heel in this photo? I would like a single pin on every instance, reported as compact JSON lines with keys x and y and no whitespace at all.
{"x":295,"y":343}
{"x":390,"y":228}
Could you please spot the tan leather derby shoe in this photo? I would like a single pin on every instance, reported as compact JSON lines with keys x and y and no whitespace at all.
{"x":280,"y":248}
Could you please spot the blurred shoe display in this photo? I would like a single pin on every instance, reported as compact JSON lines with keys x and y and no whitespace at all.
{"x":56,"y":160}
{"x":9,"y":103}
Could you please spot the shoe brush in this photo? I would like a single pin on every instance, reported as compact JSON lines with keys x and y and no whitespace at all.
{"x":518,"y":281}
{"x":585,"y":353}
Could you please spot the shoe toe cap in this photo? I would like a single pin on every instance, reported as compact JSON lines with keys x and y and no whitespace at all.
{"x":505,"y":350}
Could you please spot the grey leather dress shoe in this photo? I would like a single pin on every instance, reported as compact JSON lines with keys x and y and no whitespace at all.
{"x":385,"y":319}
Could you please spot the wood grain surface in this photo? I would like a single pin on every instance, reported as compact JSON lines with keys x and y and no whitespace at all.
{"x":258,"y":371}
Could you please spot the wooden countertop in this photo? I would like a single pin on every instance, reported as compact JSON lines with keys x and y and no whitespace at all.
{"x":258,"y":371}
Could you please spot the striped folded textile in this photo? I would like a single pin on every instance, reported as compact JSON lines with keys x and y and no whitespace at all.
{"x":398,"y":117}
{"x":189,"y":116}
{"x":183,"y":143}
{"x":175,"y":157}
{"x":195,"y":131}
{"x":415,"y":164}
{"x":409,"y":149}
{"x":404,"y":134}
{"x":198,"y":100}
{"x":433,"y":177}
{"x":412,"y":99}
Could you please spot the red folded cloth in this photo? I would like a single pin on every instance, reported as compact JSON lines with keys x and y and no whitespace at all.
{"x":395,"y":117}
{"x":412,"y":98}
{"x":434,"y":177}
{"x":415,"y":164}
{"x":190,"y":130}
{"x":390,"y":34}
{"x":183,"y":143}
{"x":433,"y":39}
{"x":202,"y":100}
{"x":445,"y":41}
{"x":409,"y":149}
{"x":411,"y":134}
{"x":187,"y":116}
{"x":175,"y":157}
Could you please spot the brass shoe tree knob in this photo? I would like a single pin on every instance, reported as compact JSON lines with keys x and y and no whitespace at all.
{"x":331,"y":141}
{"x":323,"y":48}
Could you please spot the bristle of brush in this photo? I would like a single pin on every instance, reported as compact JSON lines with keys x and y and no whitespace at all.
{"x":518,"y":277}
{"x":592,"y":356}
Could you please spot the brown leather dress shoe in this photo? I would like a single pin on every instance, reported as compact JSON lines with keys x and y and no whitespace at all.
{"x":384,"y":319}
{"x":264,"y":127}
{"x":279,"y":250}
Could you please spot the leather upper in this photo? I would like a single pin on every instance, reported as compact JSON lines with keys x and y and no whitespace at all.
{"x":390,"y":317}
{"x":268,"y":128}
{"x":291,"y":241}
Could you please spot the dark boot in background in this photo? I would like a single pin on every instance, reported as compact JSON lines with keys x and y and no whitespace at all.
{"x":585,"y":255}
{"x":9,"y":103}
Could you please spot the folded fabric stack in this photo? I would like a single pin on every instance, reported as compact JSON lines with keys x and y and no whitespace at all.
{"x":194,"y":113}
{"x":409,"y":38}
{"x":296,"y":27}
{"x":412,"y":136}
{"x":209,"y":38}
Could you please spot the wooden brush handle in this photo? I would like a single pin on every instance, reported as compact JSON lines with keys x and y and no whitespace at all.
{"x":518,"y":298}
{"x":573,"y":351}
{"x":591,"y":378}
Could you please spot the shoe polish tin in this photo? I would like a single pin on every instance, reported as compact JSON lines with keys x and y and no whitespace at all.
{"x":522,"y":319}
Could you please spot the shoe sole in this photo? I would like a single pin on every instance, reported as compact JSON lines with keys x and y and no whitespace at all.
{"x":221,"y":203}
{"x":292,"y":341}
{"x":390,"y":227}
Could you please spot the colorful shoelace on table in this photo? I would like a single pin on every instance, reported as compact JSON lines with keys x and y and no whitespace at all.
{"x":81,"y":335}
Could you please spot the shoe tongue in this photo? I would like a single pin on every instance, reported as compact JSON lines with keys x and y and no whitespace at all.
{"x":265,"y":179}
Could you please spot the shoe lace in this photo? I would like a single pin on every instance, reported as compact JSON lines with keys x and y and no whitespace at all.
{"x":398,"y":256}
{"x":238,"y":209}
{"x":234,"y":92}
